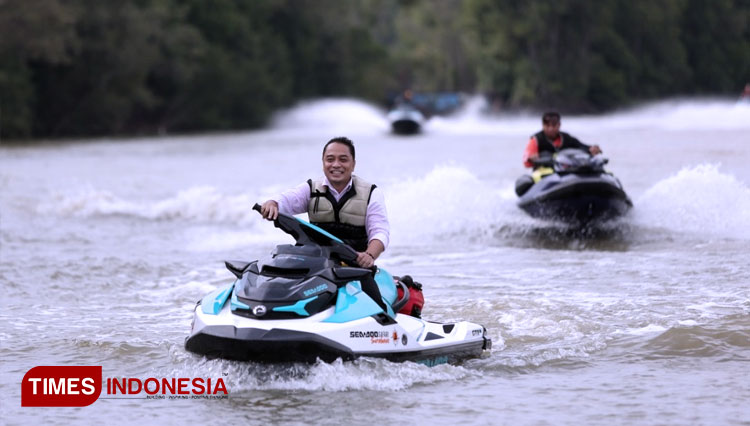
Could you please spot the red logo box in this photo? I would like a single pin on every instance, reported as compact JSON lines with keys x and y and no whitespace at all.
{"x":61,"y":386}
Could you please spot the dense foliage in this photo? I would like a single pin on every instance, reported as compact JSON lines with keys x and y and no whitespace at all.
{"x":87,"y":67}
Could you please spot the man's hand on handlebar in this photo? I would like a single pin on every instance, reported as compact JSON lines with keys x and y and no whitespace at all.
{"x":270,"y":210}
{"x":365,"y":259}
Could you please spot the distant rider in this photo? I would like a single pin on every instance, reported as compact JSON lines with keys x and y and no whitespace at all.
{"x":745,"y":95}
{"x":342,"y":204}
{"x":550,"y":139}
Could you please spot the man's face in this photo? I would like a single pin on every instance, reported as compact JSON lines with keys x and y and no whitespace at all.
{"x":338,"y":164}
{"x":551,"y":129}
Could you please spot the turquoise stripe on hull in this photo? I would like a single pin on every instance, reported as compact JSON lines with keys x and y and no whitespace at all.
{"x":236,"y":304}
{"x":298,"y":308}
{"x":212,"y":303}
{"x":352,"y":303}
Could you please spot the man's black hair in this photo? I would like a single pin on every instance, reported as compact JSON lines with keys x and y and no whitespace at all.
{"x":342,"y":140}
{"x":551,"y":117}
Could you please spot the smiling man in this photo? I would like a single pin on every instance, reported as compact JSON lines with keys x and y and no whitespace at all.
{"x":342,"y":204}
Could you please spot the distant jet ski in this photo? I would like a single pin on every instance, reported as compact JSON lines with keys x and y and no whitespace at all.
{"x":406,"y":119}
{"x":572,"y":186}
{"x":301,"y":304}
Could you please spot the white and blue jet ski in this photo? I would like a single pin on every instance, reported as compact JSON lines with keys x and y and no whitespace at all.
{"x":302,"y":303}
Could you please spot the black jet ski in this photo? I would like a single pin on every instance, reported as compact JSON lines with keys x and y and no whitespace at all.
{"x":572,"y":186}
{"x":406,"y":119}
{"x":302,"y":303}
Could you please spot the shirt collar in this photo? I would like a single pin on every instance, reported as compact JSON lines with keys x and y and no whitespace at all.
{"x":333,"y":190}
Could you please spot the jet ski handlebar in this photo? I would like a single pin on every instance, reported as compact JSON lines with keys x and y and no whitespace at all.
{"x":307,"y":234}
{"x":569,"y":158}
{"x":544,"y":160}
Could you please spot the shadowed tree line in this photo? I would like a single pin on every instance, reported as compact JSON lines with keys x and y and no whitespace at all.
{"x":72,"y":68}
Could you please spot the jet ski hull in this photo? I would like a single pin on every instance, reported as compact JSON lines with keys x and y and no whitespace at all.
{"x":253,"y":344}
{"x":405,"y":121}
{"x":576,"y":199}
{"x":405,"y":127}
{"x":405,"y":338}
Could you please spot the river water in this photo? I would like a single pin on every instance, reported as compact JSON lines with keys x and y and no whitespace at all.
{"x":106,"y":245}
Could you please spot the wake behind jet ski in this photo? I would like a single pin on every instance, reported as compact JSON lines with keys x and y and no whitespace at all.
{"x":572,"y":186}
{"x":302,"y":303}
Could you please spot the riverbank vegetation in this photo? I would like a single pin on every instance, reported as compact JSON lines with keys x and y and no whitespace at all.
{"x":77,"y":68}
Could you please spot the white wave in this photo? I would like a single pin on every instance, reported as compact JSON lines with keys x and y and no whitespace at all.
{"x":203,"y":205}
{"x":332,"y":116}
{"x":645,"y":330}
{"x":200,"y":203}
{"x":352,"y":116}
{"x":446,"y":202}
{"x":697,"y":199}
{"x":87,"y":202}
{"x":676,"y":114}
{"x":365,"y":374}
{"x":683,"y":115}
{"x":473,"y":119}
{"x":338,"y":376}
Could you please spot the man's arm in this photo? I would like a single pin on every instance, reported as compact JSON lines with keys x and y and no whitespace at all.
{"x":367,"y":258}
{"x":592,"y":149}
{"x":293,"y":201}
{"x":531,"y":152}
{"x":378,"y":229}
{"x":376,"y":221}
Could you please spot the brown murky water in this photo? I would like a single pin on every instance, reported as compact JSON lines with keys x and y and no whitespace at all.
{"x":105,"y":247}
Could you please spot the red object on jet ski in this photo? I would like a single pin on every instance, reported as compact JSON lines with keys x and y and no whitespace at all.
{"x":416,"y":299}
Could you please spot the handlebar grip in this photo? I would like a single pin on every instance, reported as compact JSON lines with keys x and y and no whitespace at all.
{"x":256,"y":207}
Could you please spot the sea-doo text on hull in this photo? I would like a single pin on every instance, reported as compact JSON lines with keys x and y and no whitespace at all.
{"x":301,"y":304}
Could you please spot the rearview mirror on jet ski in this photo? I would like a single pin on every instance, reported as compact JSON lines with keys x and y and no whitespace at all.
{"x":349,"y":273}
{"x":236,"y":267}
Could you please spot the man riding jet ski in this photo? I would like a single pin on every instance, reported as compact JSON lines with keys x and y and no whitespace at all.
{"x":405,"y":117}
{"x":303,"y":303}
{"x":572,"y":186}
{"x":569,"y":182}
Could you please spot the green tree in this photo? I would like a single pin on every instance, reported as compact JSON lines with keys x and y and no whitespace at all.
{"x":429,"y":50}
{"x":104,"y":82}
{"x":333,"y":52}
{"x":717,"y":36}
{"x":33,"y":31}
{"x":85,"y":67}
{"x":244,"y":70}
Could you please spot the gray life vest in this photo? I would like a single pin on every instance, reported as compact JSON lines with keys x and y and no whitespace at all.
{"x":344,"y":218}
